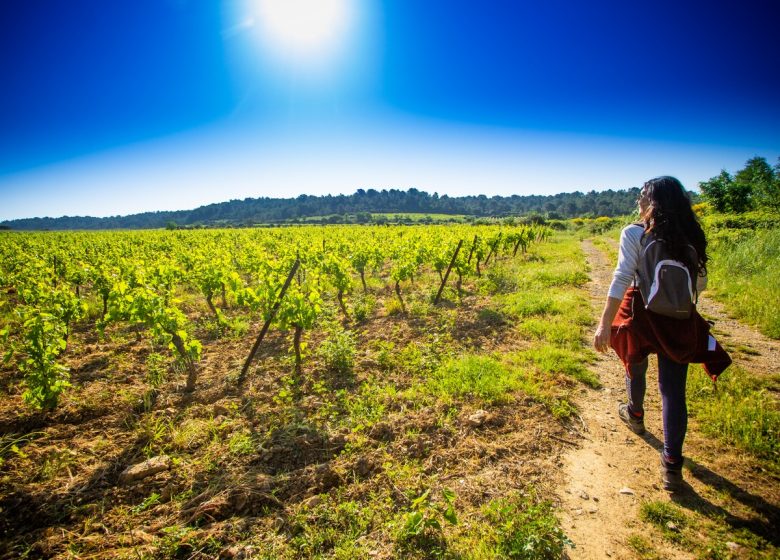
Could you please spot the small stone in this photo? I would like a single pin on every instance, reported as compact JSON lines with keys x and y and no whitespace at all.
{"x":672,"y":526}
{"x":627,"y":491}
{"x":732,"y":546}
{"x":577,"y":511}
{"x":478,"y":418}
{"x":592,"y":509}
{"x":147,"y":468}
{"x":312,"y":502}
{"x":584,"y":495}
{"x":595,"y":499}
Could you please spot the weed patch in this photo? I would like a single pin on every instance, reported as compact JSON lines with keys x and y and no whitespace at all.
{"x":526,"y":528}
{"x":743,"y":276}
{"x":739,"y":410}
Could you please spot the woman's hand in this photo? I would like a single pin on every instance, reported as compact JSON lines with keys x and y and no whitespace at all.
{"x":601,"y":338}
{"x":604,"y":330}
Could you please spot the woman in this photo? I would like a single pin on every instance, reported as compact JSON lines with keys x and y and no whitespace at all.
{"x":666,"y":214}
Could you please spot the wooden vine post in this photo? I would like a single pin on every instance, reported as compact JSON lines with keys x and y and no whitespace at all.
{"x":268,"y":321}
{"x":447,"y":274}
{"x":473,"y":246}
{"x":493,"y":249}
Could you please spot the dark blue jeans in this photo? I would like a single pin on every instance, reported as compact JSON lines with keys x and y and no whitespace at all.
{"x":671,"y":382}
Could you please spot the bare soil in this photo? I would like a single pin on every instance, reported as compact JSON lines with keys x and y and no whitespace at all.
{"x":613,"y":471}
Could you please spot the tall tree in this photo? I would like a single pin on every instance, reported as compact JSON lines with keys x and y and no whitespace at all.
{"x":766,"y":183}
{"x":715,"y":191}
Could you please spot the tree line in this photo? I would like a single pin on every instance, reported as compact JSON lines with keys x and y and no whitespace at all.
{"x":358,"y":207}
{"x":754,"y":187}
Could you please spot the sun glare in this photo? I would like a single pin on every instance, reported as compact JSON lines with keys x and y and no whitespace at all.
{"x":303,"y":27}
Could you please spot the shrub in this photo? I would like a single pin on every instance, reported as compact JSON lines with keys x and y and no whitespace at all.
{"x":337,"y":352}
{"x":364,"y":307}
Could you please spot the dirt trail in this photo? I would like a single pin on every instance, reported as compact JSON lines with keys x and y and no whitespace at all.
{"x":613,"y":471}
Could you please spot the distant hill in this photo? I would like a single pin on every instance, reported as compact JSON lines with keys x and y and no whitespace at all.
{"x":357,"y":207}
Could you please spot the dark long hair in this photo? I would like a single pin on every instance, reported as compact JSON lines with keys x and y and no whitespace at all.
{"x":671,"y":218}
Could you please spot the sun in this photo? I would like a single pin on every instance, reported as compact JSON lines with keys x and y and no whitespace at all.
{"x":303,"y":27}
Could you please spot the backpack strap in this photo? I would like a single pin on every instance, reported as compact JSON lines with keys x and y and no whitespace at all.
{"x":642,"y":239}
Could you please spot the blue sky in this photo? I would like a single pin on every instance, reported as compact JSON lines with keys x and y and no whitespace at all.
{"x":119,"y":107}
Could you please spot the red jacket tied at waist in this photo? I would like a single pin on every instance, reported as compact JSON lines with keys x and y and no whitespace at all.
{"x":637,"y":332}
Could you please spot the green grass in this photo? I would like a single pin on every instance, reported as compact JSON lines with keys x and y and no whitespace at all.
{"x":742,"y":411}
{"x":472,"y":375}
{"x":558,"y":331}
{"x":561,"y":361}
{"x":568,"y":303}
{"x":743,"y":275}
{"x":491,"y":381}
{"x":394,"y":217}
{"x":416,"y":217}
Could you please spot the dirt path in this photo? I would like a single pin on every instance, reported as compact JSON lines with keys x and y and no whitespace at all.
{"x":614,"y":471}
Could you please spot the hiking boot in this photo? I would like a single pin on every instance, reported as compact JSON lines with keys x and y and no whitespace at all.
{"x":671,"y":474}
{"x":637,"y":425}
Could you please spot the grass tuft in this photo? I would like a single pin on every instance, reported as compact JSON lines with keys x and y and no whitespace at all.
{"x":666,"y":517}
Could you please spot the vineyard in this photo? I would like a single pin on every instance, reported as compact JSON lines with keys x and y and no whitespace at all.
{"x":305,"y":392}
{"x":148,"y":281}
{"x":356,"y":392}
